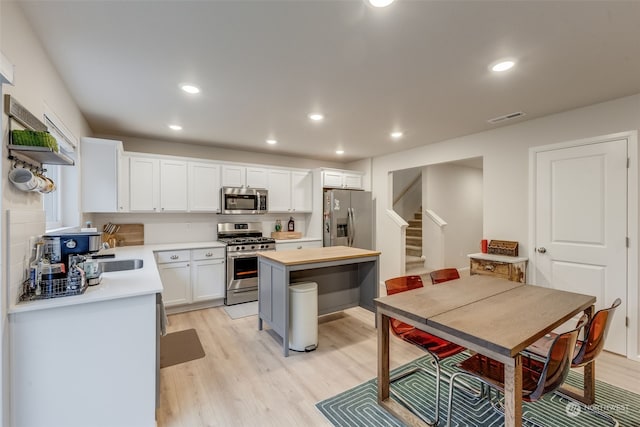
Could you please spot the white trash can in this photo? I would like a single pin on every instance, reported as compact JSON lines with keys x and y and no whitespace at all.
{"x":303,"y":316}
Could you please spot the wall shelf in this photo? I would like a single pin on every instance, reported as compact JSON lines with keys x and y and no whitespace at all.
{"x":31,"y":155}
{"x":42,"y":155}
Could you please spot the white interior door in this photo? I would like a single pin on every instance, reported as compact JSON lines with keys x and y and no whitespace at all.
{"x":581,"y":226}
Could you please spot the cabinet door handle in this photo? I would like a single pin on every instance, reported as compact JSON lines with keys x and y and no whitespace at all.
{"x":174,"y":257}
{"x":208,"y":254}
{"x":489,"y":267}
{"x":299,"y":247}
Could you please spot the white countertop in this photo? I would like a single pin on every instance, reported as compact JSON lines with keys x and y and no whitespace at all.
{"x":118,"y":284}
{"x":498,"y":258}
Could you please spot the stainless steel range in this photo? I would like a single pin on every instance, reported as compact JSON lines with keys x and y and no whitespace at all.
{"x":244,"y":240}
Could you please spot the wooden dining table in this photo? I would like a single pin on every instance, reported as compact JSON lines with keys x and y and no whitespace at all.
{"x":488,"y":315}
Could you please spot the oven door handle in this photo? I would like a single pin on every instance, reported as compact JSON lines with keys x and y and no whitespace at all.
{"x":247,"y":254}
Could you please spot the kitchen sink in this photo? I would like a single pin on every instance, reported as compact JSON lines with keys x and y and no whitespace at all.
{"x":121,"y":265}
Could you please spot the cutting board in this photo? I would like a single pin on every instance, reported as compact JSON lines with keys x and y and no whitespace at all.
{"x":127,"y":235}
{"x":283,"y":235}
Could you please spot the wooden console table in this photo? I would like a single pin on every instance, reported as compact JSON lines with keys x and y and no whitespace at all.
{"x":346,"y":277}
{"x":506,"y":267}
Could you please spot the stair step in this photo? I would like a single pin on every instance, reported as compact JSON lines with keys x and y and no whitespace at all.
{"x":414,"y":231}
{"x":418,"y":215}
{"x":413,"y":240}
{"x":413,"y":250}
{"x":415,"y":223}
{"x":409,"y":259}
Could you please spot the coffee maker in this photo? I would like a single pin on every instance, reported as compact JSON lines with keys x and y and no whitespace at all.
{"x":59,"y":246}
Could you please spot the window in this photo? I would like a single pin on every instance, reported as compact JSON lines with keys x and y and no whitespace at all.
{"x":62,"y":205}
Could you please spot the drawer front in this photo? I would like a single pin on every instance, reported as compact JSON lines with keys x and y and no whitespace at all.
{"x":207,"y":253}
{"x":172,"y":256}
{"x":290,"y":246}
{"x":498,"y":269}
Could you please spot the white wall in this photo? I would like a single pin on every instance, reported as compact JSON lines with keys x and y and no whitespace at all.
{"x":410,"y":202}
{"x":505,"y":153}
{"x":197,"y":227}
{"x":36,"y":82}
{"x":454,"y":193}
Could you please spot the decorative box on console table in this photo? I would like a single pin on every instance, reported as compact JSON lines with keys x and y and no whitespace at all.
{"x":513,"y":268}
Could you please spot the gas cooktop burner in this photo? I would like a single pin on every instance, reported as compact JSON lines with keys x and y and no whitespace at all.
{"x":246,"y":240}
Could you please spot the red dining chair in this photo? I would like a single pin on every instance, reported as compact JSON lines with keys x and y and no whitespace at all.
{"x":438,"y":348}
{"x":444,"y":275}
{"x":538,"y":377}
{"x":585,"y":351}
{"x":588,"y":349}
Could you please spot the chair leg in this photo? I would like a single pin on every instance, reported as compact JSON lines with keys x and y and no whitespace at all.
{"x":400,"y":399}
{"x":485,"y":389}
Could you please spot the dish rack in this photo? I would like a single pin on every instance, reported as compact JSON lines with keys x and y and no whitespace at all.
{"x":54,"y":288}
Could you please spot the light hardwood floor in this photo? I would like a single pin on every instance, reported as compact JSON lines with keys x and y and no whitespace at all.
{"x":245,"y":381}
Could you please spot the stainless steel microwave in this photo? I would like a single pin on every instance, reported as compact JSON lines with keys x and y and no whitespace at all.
{"x":243,"y":200}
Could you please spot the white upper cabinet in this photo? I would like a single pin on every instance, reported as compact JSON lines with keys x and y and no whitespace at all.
{"x":144,"y":180}
{"x":244,"y":176}
{"x":173,"y":185}
{"x":104,"y":172}
{"x":342,"y":179}
{"x":332,"y":179}
{"x":290,"y":190}
{"x":157,"y":185}
{"x":352,"y":180}
{"x":233,"y":176}
{"x":279,"y":190}
{"x":204,"y":187}
{"x":123,"y":183}
{"x":301,"y":191}
{"x":257,"y":177}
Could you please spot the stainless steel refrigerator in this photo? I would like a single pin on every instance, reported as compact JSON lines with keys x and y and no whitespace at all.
{"x":348,"y":218}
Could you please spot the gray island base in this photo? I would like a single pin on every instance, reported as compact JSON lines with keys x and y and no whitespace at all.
{"x":346,"y":277}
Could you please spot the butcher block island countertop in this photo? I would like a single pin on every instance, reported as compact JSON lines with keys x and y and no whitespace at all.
{"x":313,"y":255}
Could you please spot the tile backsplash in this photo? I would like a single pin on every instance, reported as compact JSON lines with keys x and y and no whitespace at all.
{"x":189,"y":228}
{"x":23,"y":226}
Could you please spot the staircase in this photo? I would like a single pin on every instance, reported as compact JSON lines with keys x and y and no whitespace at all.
{"x":414,"y":263}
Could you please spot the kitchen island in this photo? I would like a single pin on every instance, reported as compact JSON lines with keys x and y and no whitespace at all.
{"x":346,"y":277}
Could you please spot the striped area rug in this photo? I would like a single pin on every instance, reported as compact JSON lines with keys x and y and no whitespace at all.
{"x":358,"y":406}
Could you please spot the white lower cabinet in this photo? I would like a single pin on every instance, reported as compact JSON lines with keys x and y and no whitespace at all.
{"x":176,"y":281}
{"x":84,"y":365}
{"x":192,"y":276}
{"x":207,"y":274}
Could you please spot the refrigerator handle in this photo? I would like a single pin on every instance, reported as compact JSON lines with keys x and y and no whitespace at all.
{"x":352,"y":228}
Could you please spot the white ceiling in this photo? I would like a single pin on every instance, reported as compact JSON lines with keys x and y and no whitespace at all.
{"x":417,"y":66}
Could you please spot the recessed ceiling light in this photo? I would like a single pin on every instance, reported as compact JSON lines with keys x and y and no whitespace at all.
{"x":175,"y":127}
{"x":397,"y":135}
{"x":271,"y":141}
{"x":316,"y":117}
{"x":380,"y":3}
{"x":190,"y":88}
{"x":503,"y":65}
{"x":339,"y":151}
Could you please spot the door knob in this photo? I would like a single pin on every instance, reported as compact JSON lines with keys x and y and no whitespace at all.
{"x":542,"y":250}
